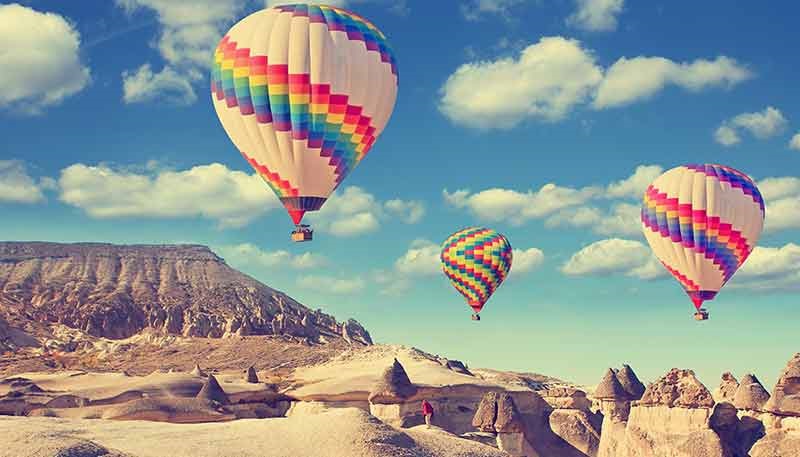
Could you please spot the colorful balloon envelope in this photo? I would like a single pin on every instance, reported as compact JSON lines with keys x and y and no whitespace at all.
{"x":476,"y":260}
{"x":304,"y":91}
{"x":702,"y":222}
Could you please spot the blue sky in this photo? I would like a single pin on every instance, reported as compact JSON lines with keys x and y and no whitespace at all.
{"x":543,"y":119}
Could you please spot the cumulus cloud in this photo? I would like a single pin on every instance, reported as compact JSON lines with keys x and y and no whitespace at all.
{"x":782,"y":200}
{"x":614,"y":256}
{"x":547,"y":80}
{"x":143,"y":85}
{"x":476,"y":9}
{"x":770,"y":269}
{"x":189,"y":33}
{"x":354,"y":212}
{"x":526,"y":260}
{"x":518,"y":207}
{"x":43,"y":49}
{"x":16,"y":186}
{"x":596,"y":15}
{"x":247,"y":254}
{"x":631,"y":80}
{"x":621,"y":219}
{"x":421,"y":259}
{"x":231,"y":198}
{"x":635,"y":185}
{"x":761,"y":124}
{"x":331,"y":285}
{"x":794,"y":143}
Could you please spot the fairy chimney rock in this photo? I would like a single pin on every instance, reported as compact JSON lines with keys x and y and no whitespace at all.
{"x":610,"y":388}
{"x":252,"y":377}
{"x":393,"y":386}
{"x":678,"y":388}
{"x":630,"y":382}
{"x":197,"y":371}
{"x":727,"y":388}
{"x":213,"y":391}
{"x":750,"y":394}
{"x":785,"y":400}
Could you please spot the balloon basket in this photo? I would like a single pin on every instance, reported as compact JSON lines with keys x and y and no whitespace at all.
{"x":302,"y":233}
{"x":475,"y":317}
{"x":701,"y":315}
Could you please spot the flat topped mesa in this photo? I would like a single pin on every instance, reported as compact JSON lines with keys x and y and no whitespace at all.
{"x":610,"y":388}
{"x":678,"y":388}
{"x":393,"y":386}
{"x":785,"y":400}
{"x":213,"y":391}
{"x":630,"y":382}
{"x":750,"y":394}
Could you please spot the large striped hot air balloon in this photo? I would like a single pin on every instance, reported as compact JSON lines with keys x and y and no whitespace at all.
{"x":702,"y":222}
{"x":304,"y":91}
{"x":477,"y":261}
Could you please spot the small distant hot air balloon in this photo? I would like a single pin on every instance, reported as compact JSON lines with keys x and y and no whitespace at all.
{"x":476,"y":260}
{"x":702,"y":222}
{"x":304,"y":91}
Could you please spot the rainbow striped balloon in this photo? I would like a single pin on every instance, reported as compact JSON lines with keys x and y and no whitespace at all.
{"x":304,"y":91}
{"x":476,"y":260}
{"x":702,"y":222}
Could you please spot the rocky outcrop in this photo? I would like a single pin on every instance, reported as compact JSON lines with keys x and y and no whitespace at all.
{"x":785,"y":400}
{"x":116,"y":291}
{"x":252,"y":377}
{"x":5,"y":336}
{"x":750,"y":395}
{"x":393,"y":386}
{"x":630,"y":382}
{"x":486,"y":414}
{"x":610,"y":388}
{"x":566,"y":398}
{"x":197,"y":371}
{"x":508,"y":417}
{"x":678,"y":388}
{"x":727,"y":388}
{"x":211,"y":390}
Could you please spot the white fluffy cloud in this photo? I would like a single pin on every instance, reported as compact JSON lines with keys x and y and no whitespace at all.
{"x":232,"y":198}
{"x":552,"y":77}
{"x":526,"y":260}
{"x":43,"y":49}
{"x":761,"y":124}
{"x":476,"y":9}
{"x":247,"y":254}
{"x":794,"y":143}
{"x":770,"y":269}
{"x":421,"y":259}
{"x":517,"y":207}
{"x":143,"y":85}
{"x":621,"y":219}
{"x":613,"y":256}
{"x":547,"y":80}
{"x":635,"y":185}
{"x":189,"y":33}
{"x":354,"y":211}
{"x":631,"y":80}
{"x":16,"y":186}
{"x":782,"y":200}
{"x":596,"y":15}
{"x":331,"y":285}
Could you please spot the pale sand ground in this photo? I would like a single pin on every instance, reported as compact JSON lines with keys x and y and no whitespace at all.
{"x":324,"y":433}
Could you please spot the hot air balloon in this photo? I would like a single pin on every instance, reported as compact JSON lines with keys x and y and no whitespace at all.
{"x":476,"y":260}
{"x":304,"y":91}
{"x":702,"y":222}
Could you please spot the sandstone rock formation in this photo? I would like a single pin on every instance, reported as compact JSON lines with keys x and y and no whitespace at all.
{"x":785,"y":400}
{"x":750,"y":395}
{"x":115,"y":292}
{"x":678,"y":388}
{"x":393,"y":386}
{"x":610,"y":388}
{"x":486,"y":414}
{"x":211,"y":390}
{"x":508,"y":417}
{"x":727,"y":388}
{"x":197,"y":371}
{"x":630,"y":382}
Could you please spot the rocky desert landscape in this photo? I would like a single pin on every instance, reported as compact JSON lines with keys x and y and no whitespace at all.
{"x":167,"y":351}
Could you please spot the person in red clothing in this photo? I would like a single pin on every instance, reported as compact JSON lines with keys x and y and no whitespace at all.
{"x":427,"y":411}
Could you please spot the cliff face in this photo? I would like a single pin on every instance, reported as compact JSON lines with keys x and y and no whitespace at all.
{"x":115,"y":292}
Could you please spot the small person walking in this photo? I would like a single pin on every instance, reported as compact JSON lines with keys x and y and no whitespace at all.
{"x":427,"y":411}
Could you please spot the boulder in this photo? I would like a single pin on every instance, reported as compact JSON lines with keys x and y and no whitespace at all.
{"x":486,"y":414}
{"x":630,"y":382}
{"x":393,"y":386}
{"x":578,"y":428}
{"x":678,"y":388}
{"x":509,"y":420}
{"x":252,"y":377}
{"x":750,"y":395}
